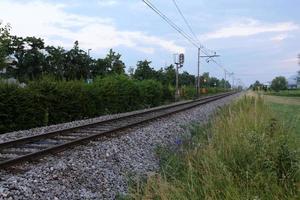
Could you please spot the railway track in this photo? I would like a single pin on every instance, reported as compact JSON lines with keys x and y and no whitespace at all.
{"x":33,"y":147}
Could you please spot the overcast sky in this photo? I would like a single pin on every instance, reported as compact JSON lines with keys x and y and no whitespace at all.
{"x":257,"y":40}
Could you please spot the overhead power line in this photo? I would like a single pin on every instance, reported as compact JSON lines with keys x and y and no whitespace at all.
{"x":185,"y":21}
{"x":171,"y":23}
{"x":193,"y":40}
{"x":177,"y":28}
{"x":203,"y":49}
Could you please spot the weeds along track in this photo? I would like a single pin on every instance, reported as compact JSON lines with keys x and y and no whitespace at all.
{"x":33,"y":147}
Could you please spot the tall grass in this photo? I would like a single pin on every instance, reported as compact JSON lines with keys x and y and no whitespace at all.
{"x":244,"y":153}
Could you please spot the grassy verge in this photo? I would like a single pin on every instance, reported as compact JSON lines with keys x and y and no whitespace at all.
{"x":246,"y":152}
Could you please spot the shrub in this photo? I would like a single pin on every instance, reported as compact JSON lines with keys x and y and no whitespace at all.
{"x":188,"y":92}
{"x":168,"y":93}
{"x":151,"y":93}
{"x":64,"y":101}
{"x":47,"y":101}
{"x":19,"y":108}
{"x":116,"y":94}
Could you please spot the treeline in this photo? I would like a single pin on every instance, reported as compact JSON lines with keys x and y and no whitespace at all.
{"x":28,"y":59}
{"x":279,"y":83}
{"x":60,"y":85}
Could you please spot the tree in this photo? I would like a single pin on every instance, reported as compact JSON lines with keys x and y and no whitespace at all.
{"x":77,"y":63}
{"x":279,"y":83}
{"x":116,"y":65}
{"x":213,"y":82}
{"x":29,"y":59}
{"x":298,"y":77}
{"x":100,"y":67}
{"x":170,"y":74}
{"x":144,"y":71}
{"x":55,"y":59}
{"x":257,"y":85}
{"x":204,"y":80}
{"x":224,"y":84}
{"x":186,"y":79}
{"x":5,"y":39}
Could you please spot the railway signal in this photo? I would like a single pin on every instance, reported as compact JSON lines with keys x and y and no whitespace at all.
{"x":178,"y":60}
{"x":181,"y":59}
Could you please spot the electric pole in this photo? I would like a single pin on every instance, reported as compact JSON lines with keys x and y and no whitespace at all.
{"x":225,"y":80}
{"x":198,"y":76}
{"x":89,"y":52}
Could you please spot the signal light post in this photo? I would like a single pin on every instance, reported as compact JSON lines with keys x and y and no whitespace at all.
{"x":179,"y":63}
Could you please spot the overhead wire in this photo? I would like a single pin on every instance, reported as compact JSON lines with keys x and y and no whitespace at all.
{"x":186,"y":22}
{"x":203,"y":48}
{"x":193,"y":33}
{"x":194,"y":41}
{"x":171,"y":23}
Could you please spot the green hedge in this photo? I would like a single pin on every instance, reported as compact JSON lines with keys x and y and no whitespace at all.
{"x":115,"y":94}
{"x":19,"y":108}
{"x":64,"y":101}
{"x":47,"y":101}
{"x":188,"y":92}
{"x":151,"y":93}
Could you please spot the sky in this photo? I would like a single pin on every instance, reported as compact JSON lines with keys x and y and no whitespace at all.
{"x":256,"y":40}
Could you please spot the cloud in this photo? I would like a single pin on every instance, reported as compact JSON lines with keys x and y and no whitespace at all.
{"x":249,"y":27}
{"x":58,"y":27}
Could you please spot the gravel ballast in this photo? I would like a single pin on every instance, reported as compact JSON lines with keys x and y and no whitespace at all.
{"x":99,"y":169}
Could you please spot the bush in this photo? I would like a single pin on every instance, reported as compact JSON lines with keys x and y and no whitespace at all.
{"x":63,"y":101}
{"x":279,"y":83}
{"x":168,"y":93}
{"x":19,"y":108}
{"x":151,"y":92}
{"x":188,"y":92}
{"x":116,"y":94}
{"x":48,"y":101}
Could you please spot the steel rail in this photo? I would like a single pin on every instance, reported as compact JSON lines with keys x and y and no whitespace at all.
{"x":65,"y":138}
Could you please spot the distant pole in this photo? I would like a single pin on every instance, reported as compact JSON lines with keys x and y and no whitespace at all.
{"x":208,"y":59}
{"x":225,"y":80}
{"x":177,"y":88}
{"x":89,"y":52}
{"x":198,"y":74}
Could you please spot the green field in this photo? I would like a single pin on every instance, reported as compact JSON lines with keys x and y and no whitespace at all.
{"x":289,"y":114}
{"x":287,"y":108}
{"x":287,"y":93}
